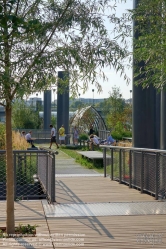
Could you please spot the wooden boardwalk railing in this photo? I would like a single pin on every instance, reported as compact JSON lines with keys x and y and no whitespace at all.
{"x":141,"y":230}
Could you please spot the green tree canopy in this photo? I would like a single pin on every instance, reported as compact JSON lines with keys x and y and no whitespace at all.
{"x":150,"y":43}
{"x":117,"y":112}
{"x":24,"y":116}
{"x":39,"y":37}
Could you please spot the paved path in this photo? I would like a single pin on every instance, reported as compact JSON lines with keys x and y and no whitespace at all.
{"x":67,"y":166}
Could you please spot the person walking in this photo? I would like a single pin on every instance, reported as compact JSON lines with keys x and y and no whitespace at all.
{"x":61,"y":134}
{"x":53,"y":137}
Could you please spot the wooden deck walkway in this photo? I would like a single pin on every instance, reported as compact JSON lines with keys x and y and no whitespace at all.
{"x":91,"y":232}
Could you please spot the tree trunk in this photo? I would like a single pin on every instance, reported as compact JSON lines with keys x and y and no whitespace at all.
{"x":10,"y":223}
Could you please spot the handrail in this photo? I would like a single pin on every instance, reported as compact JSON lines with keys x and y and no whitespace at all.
{"x":141,"y":168}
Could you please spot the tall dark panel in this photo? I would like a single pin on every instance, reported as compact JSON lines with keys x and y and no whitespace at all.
{"x":47,"y":109}
{"x":157,"y":123}
{"x":146,"y":111}
{"x":145,"y":122}
{"x":163,"y":121}
{"x":63,"y":101}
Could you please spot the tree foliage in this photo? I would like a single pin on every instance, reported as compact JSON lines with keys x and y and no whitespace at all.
{"x":150,"y":43}
{"x":25,"y":116}
{"x":39,"y":37}
{"x":117,"y":112}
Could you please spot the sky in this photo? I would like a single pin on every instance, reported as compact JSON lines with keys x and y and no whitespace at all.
{"x":114,"y":78}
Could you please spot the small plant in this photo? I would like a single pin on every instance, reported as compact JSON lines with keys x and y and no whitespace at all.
{"x":1,"y":234}
{"x":27,"y":229}
{"x":20,"y":231}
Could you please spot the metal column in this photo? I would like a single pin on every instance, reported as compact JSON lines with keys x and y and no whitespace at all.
{"x":63,"y":102}
{"x":47,"y":109}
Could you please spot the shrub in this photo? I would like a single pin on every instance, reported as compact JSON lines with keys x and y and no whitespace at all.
{"x":118,"y":134}
{"x":83,"y":136}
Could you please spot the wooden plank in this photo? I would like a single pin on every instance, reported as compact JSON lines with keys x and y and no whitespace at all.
{"x":95,"y":189}
{"x":27,"y":212}
{"x":125,"y":232}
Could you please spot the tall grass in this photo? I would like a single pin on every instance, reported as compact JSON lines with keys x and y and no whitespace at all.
{"x":19,"y":143}
{"x":124,"y":144}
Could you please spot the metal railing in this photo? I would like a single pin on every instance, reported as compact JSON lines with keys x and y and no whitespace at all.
{"x":103,"y":134}
{"x":144,"y":169}
{"x":44,"y":136}
{"x":34,"y":174}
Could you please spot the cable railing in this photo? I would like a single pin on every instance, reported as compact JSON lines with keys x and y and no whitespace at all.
{"x":144,"y":169}
{"x":34,"y":174}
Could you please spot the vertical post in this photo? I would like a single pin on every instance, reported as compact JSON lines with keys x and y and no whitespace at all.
{"x":142,"y":172}
{"x":130,"y":169}
{"x":156,"y":176}
{"x":104,"y":162}
{"x":53,"y":179}
{"x":130,"y":96}
{"x":47,"y":165}
{"x":54,"y":98}
{"x":63,"y":101}
{"x":93,"y":96}
{"x":47,"y":109}
{"x":120,"y":166}
{"x":112,"y":162}
{"x":15,"y":178}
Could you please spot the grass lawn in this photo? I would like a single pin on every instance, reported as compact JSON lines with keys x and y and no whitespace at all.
{"x":85,"y":162}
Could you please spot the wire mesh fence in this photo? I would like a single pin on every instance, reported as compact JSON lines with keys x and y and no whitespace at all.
{"x":34,"y":175}
{"x":144,"y":169}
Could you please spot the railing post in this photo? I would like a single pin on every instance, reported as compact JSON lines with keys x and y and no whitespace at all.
{"x":112,"y":162}
{"x":53,"y":179}
{"x":104,"y":162}
{"x":156,"y":176}
{"x":120,"y":165}
{"x":130,"y":169}
{"x":142,"y":172}
{"x":15,"y":183}
{"x":47,"y":165}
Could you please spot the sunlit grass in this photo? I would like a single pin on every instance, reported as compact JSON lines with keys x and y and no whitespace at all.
{"x":88,"y":163}
{"x":19,"y":143}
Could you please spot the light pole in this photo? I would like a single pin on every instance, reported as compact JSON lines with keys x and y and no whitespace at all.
{"x":54,"y":97}
{"x":93,"y":96}
{"x":130,"y":105}
{"x":130,"y":96}
{"x":36,"y":102}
